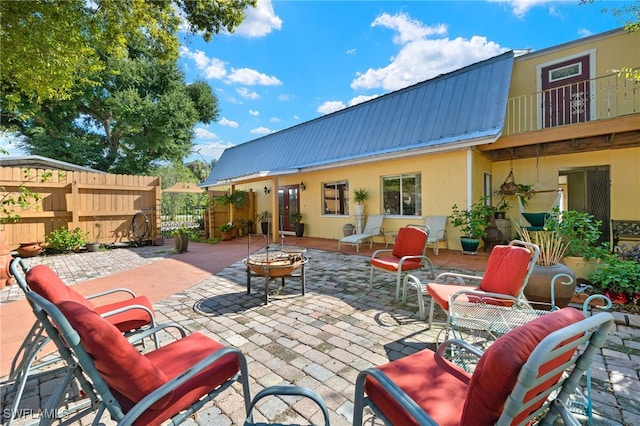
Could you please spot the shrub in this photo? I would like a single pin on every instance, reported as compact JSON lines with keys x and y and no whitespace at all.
{"x":63,"y":241}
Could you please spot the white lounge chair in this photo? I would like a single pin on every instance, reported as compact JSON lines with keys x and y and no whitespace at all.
{"x":438,"y":227}
{"x":372,"y":228}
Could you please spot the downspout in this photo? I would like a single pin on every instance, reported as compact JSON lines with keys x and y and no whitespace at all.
{"x":469,"y":178}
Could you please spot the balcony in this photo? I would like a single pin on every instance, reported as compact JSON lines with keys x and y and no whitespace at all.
{"x":601,"y":98}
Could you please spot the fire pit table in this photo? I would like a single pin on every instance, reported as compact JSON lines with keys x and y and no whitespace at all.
{"x":281,"y":263}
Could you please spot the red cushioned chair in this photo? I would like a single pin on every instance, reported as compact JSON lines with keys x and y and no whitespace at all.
{"x":519,"y":378}
{"x":169,"y":383}
{"x":507,"y":273}
{"x":129,"y":316}
{"x":408,"y":254}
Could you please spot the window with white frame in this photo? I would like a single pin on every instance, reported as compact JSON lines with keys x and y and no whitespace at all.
{"x":402,"y":195}
{"x":335,"y":198}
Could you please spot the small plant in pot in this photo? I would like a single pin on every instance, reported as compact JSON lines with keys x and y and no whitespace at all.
{"x":226,"y":231}
{"x":500,"y":211}
{"x":472,"y":223}
{"x":264,"y":218}
{"x":295,"y":218}
{"x":360,"y":195}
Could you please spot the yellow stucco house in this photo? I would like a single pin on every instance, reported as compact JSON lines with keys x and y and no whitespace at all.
{"x":562,"y":120}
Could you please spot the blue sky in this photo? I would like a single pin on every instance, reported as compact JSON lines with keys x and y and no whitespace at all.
{"x":292,"y":61}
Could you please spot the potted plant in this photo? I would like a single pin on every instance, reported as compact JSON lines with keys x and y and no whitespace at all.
{"x":226,"y":231}
{"x":295,"y":218}
{"x":501,"y":208}
{"x":181,"y":239}
{"x":618,"y":279}
{"x":549,"y":264}
{"x":95,"y":244}
{"x":264,"y":218}
{"x":360,"y":195}
{"x":581,"y":232}
{"x":471,"y":223}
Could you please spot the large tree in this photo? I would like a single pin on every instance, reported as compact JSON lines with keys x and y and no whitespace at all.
{"x":96,"y":82}
{"x":141,"y":113}
{"x":46,"y":42}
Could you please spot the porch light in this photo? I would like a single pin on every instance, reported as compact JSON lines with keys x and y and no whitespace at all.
{"x":303,"y":186}
{"x":266,"y":190}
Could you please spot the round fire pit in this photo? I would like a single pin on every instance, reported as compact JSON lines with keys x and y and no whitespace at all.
{"x":276,"y":264}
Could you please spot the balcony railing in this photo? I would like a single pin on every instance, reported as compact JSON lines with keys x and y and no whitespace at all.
{"x":600,"y":98}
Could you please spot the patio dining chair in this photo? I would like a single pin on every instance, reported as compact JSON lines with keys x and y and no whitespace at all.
{"x":408,"y":254}
{"x":372,"y":228}
{"x":129,"y":315}
{"x":508,"y":270}
{"x":169,"y":383}
{"x":529,"y":373}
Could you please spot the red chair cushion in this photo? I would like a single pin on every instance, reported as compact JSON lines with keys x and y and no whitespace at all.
{"x":44,"y":281}
{"x":393,"y":263}
{"x":131,"y":319}
{"x":497,"y":371}
{"x":123,"y":368}
{"x":429,"y":380}
{"x":440,"y":293}
{"x":177,"y":357}
{"x":506,"y":269}
{"x":409,"y":242}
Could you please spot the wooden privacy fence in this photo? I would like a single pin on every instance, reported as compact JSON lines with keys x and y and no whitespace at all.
{"x":80,"y":199}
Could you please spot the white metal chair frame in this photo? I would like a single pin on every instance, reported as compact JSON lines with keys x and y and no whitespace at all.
{"x":373,"y":227}
{"x":438,"y":227}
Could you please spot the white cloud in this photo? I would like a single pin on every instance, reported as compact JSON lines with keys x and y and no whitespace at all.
{"x":360,"y":99}
{"x":254,"y":112}
{"x":274,"y":120}
{"x":9,"y":142}
{"x":229,"y":123}
{"x":583,"y":32}
{"x":202,"y":133}
{"x":351,"y":51}
{"x":331,"y":106}
{"x":246,"y":93}
{"x":260,"y":131}
{"x":285,"y":98}
{"x":212,"y":149}
{"x":521,"y":7}
{"x":210,"y":67}
{"x":260,"y":20}
{"x":251,"y":77}
{"x":421,"y":57}
{"x":408,"y":29}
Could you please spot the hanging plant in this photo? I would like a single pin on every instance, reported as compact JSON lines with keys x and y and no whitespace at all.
{"x":509,"y":186}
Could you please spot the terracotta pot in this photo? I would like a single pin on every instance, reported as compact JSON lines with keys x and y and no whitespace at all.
{"x":538,"y":288}
{"x":29,"y":249}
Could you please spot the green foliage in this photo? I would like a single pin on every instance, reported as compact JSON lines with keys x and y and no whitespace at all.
{"x":226,"y":227}
{"x":49,"y":48}
{"x":580,"y":231}
{"x":618,"y":275}
{"x":360,"y":195}
{"x":182,"y":230}
{"x":62,"y":240}
{"x":264,"y":216}
{"x":471,"y":222}
{"x":23,"y":198}
{"x":237,"y":198}
{"x":503,"y":205}
{"x":295,"y":218}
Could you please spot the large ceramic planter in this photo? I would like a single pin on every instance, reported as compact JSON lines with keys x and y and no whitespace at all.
{"x":181,"y":242}
{"x":582,"y":268}
{"x":538,"y":288}
{"x":469,"y":245}
{"x":359,"y":209}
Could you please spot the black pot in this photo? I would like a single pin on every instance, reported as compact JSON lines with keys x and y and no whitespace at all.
{"x":265,"y":227}
{"x":500,"y":215}
{"x":299,"y":229}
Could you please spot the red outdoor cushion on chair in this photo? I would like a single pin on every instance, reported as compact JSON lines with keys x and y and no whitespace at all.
{"x":44,"y":281}
{"x":409,"y":242}
{"x":506,"y":270}
{"x":132,"y":375}
{"x":497,"y":371}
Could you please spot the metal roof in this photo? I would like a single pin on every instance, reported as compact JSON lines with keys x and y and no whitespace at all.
{"x":39,"y":162}
{"x":454,"y":110}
